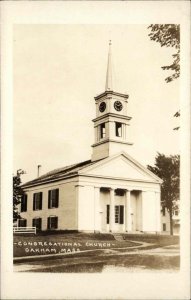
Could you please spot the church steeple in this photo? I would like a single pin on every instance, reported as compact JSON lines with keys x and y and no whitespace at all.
{"x":109,"y":83}
{"x":111,"y":124}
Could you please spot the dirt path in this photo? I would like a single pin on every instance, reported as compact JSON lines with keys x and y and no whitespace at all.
{"x":107,"y":258}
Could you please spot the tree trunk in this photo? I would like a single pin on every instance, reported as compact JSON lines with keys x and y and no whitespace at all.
{"x":171,"y":222}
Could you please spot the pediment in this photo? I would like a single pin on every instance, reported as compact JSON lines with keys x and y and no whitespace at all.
{"x":120,"y":166}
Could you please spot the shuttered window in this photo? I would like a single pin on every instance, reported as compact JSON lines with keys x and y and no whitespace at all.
{"x":22,"y":223}
{"x":52,"y":222}
{"x":53,"y":198}
{"x":37,"y":201}
{"x":37,"y":222}
{"x":119,"y":214}
{"x":24,"y":203}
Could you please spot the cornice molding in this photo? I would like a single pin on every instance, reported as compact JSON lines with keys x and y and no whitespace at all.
{"x":107,"y":115}
{"x":110,"y":140}
{"x":111,"y":93}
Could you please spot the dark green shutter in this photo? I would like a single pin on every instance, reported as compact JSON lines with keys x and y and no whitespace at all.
{"x":57,"y":198}
{"x":121,"y":214}
{"x":40,"y":200}
{"x":33,"y":201}
{"x":49,"y":195}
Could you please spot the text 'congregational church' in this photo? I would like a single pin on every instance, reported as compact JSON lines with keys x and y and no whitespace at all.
{"x":112,"y":192}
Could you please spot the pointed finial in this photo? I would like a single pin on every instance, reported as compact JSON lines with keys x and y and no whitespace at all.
{"x":108,"y":84}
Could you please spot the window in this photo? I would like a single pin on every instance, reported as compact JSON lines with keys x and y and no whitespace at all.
{"x":37,"y":222}
{"x":176,"y":212}
{"x":107,"y":214}
{"x":118,"y":129}
{"x":53,"y":198}
{"x":164,"y":226}
{"x":52,"y":222}
{"x":163,"y":211}
{"x":102,"y":130}
{"x":24,"y":203}
{"x":22,"y":223}
{"x":119,"y":214}
{"x":37,"y":201}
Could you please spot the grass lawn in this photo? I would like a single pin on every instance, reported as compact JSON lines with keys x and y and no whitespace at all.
{"x":27,"y":245}
{"x":97,"y":263}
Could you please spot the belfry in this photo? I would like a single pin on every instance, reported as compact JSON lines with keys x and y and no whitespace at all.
{"x":111,"y":125}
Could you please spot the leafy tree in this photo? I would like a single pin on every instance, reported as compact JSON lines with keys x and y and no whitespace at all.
{"x":17,"y":193}
{"x":168,"y":35}
{"x":167,"y":168}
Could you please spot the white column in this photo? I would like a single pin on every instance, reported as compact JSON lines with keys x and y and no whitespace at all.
{"x":96,"y":209}
{"x":78,"y":204}
{"x":128,"y":221}
{"x":112,"y":210}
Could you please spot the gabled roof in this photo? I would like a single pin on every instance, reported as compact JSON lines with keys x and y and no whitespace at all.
{"x":83,"y":167}
{"x":59,"y":174}
{"x":116,"y":167}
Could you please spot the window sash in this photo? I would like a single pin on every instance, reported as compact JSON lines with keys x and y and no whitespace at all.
{"x":37,"y":222}
{"x":119,"y":214}
{"x":53,"y":198}
{"x":52,"y":222}
{"x":37,"y":201}
{"x":22,"y":223}
{"x":116,"y":214}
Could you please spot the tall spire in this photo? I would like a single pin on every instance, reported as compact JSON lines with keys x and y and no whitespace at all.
{"x":108,"y":83}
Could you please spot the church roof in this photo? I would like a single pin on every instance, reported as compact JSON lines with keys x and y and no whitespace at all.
{"x":60,"y":173}
{"x":83,"y":167}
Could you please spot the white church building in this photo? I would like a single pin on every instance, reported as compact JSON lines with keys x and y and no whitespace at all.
{"x":111,"y":192}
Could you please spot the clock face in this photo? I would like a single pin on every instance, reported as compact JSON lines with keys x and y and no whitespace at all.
{"x":102,"y":106}
{"x":118,"y":105}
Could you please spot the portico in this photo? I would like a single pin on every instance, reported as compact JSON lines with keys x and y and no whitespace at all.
{"x":121,"y":209}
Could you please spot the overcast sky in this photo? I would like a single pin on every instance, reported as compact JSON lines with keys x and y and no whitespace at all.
{"x":58,"y":69}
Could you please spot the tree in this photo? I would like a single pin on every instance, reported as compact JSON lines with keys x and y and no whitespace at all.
{"x":167,"y":168}
{"x":168,"y":35}
{"x":17,"y":193}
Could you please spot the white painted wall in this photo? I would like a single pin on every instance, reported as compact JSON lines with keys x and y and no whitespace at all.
{"x":86,"y":217}
{"x":66,"y":212}
{"x":139,"y":212}
{"x":150,"y":212}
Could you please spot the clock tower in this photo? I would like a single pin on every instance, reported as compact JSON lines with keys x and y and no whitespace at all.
{"x":111,"y":124}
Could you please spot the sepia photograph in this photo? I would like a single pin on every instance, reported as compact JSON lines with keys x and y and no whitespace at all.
{"x":97,"y":133}
{"x":89,"y":195}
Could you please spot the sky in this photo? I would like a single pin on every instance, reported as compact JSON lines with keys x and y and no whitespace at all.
{"x":57,"y":72}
